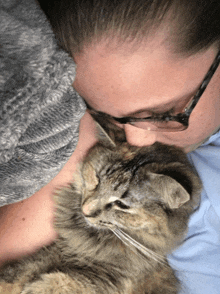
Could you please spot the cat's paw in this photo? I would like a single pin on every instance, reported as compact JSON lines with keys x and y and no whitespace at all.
{"x":53,"y":283}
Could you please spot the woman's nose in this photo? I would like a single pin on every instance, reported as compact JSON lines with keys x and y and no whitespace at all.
{"x":139,"y":137}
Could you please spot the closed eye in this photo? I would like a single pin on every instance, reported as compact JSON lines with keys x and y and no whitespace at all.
{"x":121,"y":204}
{"x":117,"y":203}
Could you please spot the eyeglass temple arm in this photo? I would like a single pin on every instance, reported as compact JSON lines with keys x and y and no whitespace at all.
{"x":204,"y":85}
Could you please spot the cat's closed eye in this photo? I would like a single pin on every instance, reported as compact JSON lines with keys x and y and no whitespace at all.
{"x":121,"y":205}
{"x":116,"y":203}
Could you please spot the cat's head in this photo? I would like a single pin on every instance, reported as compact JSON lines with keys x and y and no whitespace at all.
{"x":147,"y":192}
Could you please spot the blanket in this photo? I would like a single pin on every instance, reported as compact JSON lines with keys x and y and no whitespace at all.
{"x":39,"y":110}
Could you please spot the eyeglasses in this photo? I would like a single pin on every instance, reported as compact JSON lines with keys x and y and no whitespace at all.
{"x":166,"y":122}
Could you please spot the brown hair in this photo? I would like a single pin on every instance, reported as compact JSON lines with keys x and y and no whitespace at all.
{"x":195,"y":25}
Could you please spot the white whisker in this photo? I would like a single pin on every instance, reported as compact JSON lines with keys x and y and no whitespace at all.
{"x":128,"y":240}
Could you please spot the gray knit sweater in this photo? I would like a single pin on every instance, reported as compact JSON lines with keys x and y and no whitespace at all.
{"x":39,"y":109}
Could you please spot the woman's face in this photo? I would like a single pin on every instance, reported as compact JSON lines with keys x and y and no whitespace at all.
{"x":123,"y":82}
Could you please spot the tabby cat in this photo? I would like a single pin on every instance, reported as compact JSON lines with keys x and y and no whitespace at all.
{"x":127,"y":208}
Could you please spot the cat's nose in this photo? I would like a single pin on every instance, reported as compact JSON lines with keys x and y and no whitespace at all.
{"x":139,"y":137}
{"x":89,"y":208}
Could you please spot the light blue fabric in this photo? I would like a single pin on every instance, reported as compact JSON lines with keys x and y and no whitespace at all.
{"x":197,"y":261}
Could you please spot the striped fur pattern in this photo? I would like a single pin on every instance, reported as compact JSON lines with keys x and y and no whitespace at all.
{"x":127,"y":208}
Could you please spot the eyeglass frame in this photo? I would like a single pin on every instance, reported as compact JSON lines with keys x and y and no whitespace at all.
{"x":182,"y":118}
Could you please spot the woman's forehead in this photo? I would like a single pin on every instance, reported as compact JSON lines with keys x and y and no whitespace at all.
{"x":108,"y":78}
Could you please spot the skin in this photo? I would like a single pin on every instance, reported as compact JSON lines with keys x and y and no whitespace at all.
{"x":119,"y":81}
{"x":123,"y":83}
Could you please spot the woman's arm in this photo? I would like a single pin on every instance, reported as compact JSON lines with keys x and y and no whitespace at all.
{"x":27,"y":225}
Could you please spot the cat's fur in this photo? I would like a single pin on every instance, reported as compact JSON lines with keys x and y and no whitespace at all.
{"x":126,"y":210}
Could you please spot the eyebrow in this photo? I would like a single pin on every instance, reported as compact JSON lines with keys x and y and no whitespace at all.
{"x":154,"y":110}
{"x":167,"y":108}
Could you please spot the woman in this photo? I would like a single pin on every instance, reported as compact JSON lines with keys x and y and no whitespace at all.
{"x":151,"y":67}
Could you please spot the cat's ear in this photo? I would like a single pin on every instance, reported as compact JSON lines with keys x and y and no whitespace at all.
{"x":112,"y":133}
{"x":103,"y":137}
{"x":173,"y":193}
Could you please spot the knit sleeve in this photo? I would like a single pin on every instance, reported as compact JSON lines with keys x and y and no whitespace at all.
{"x":39,"y":109}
